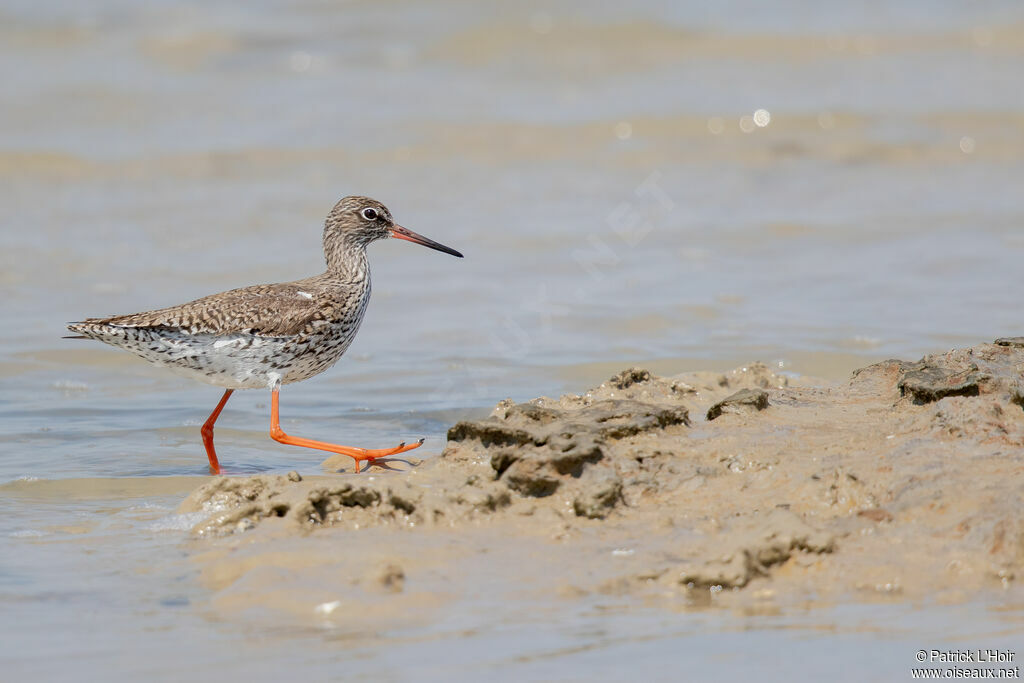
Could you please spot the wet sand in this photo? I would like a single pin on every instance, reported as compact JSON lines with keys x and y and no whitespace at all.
{"x":748,"y":490}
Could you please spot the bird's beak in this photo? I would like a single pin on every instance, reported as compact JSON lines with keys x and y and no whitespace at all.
{"x":407,"y":234}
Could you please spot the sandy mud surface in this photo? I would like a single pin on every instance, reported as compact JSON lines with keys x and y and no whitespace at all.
{"x":749,"y":490}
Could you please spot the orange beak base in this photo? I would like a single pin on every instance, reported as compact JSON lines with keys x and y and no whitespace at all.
{"x":407,"y":234}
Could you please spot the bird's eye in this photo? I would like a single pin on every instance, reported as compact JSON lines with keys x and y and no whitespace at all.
{"x":370,"y":214}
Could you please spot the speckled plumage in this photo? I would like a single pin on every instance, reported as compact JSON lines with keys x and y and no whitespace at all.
{"x":269,"y":335}
{"x":265,"y":335}
{"x":246,"y":338}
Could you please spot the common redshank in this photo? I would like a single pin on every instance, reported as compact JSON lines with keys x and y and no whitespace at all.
{"x":268,"y":335}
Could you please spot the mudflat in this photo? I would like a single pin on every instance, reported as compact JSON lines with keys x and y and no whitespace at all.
{"x":749,"y":489}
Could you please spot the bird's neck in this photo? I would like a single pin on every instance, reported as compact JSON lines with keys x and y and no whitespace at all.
{"x":347,"y":261}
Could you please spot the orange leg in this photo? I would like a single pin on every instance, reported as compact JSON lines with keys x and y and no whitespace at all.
{"x":357,"y":454}
{"x":207,"y":432}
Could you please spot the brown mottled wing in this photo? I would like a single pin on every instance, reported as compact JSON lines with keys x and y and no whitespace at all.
{"x":278,"y":310}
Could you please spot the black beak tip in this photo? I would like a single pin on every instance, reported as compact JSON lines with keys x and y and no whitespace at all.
{"x":442,"y":247}
{"x":407,"y":234}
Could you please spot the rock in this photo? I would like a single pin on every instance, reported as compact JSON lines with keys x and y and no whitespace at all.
{"x":529,"y":424}
{"x":744,"y":400}
{"x":926,"y":382}
{"x":1010,"y":341}
{"x":535,"y":448}
{"x":489,"y":433}
{"x":628,"y":378}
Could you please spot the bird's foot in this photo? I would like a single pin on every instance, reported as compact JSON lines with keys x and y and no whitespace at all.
{"x":357,"y":454}
{"x":369,"y":455}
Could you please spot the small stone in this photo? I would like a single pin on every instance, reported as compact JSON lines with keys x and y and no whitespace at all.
{"x":1010,"y":341}
{"x":928,"y":383}
{"x":750,"y":400}
{"x":628,"y":378}
{"x":294,"y":476}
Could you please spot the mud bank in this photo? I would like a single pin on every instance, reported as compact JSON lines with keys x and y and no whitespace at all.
{"x":747,"y":489}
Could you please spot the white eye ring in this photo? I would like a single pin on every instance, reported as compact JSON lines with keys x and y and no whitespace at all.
{"x":370,"y":214}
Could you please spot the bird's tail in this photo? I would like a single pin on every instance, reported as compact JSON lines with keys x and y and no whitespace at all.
{"x":77,"y":326}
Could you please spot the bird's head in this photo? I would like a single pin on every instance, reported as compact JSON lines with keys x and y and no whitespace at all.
{"x":357,"y":221}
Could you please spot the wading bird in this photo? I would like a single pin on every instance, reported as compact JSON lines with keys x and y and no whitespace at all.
{"x":268,"y":335}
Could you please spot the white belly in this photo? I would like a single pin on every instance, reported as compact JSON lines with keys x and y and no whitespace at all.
{"x":242,"y":361}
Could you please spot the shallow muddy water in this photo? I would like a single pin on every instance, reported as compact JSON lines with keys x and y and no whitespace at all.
{"x":680,"y":185}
